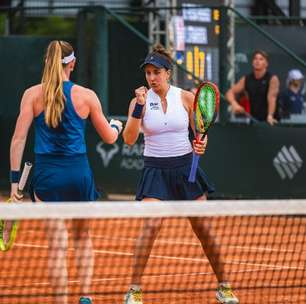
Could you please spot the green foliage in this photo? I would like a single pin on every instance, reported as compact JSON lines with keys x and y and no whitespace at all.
{"x":51,"y":26}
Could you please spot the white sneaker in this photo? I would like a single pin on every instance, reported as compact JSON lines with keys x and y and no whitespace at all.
{"x":225,"y":294}
{"x":133,"y":297}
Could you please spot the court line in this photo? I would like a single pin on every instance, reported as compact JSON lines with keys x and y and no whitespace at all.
{"x":172,"y":241}
{"x":179,"y":242}
{"x":200,"y":260}
{"x":126,"y":277}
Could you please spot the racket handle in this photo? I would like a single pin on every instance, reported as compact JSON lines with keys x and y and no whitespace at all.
{"x":194,"y":167}
{"x":24,"y":176}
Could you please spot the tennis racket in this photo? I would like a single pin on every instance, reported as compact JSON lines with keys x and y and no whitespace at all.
{"x":8,"y":228}
{"x":205,"y":110}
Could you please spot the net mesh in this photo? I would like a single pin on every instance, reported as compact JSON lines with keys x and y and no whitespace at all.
{"x":260,"y":246}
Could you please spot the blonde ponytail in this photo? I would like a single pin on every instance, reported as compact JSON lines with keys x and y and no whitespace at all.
{"x":52,"y":82}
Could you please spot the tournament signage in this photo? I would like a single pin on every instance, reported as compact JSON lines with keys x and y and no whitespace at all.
{"x":200,"y":54}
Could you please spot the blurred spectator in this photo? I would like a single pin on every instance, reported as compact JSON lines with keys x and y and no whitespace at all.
{"x":291,"y":99}
{"x":261,"y":87}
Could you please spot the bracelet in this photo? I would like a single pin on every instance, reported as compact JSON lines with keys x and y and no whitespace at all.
{"x":137,"y":110}
{"x":14,"y":176}
{"x":115,"y":127}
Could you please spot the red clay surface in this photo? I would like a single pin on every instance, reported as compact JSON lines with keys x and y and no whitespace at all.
{"x":264,"y":258}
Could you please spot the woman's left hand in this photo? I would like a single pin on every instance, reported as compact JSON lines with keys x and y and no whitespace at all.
{"x":199,"y":147}
{"x":15,"y":195}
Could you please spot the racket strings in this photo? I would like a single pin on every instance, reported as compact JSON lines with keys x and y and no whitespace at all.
{"x":206,"y":107}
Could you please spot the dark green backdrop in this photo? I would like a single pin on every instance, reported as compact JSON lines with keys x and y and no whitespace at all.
{"x":240,"y":159}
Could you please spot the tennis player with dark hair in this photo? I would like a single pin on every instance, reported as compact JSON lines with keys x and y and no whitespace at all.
{"x":261,"y":87}
{"x":59,"y":109}
{"x":164,"y":113}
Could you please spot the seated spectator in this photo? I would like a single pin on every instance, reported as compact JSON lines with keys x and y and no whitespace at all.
{"x":291,"y":99}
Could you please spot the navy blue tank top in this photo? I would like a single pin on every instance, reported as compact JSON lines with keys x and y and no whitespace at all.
{"x":257,"y":90}
{"x":68,"y":138}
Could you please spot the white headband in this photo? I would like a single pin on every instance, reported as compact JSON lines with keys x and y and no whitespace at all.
{"x":68,"y":59}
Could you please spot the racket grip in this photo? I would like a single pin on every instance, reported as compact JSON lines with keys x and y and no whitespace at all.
{"x":194,"y":167}
{"x":24,"y":176}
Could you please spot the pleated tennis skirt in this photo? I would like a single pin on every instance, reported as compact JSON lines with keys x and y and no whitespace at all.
{"x":59,"y":178}
{"x":166,"y":178}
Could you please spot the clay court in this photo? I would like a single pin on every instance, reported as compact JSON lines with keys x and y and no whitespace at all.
{"x":264,"y":256}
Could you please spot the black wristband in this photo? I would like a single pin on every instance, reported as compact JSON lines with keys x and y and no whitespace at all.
{"x":14,"y":176}
{"x":137,"y":110}
{"x":115,"y":127}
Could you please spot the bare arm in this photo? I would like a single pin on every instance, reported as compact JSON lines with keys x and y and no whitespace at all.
{"x":108,"y":134}
{"x":272,"y":97}
{"x":133,"y":125}
{"x":188,"y":99}
{"x":23,"y":124}
{"x":19,"y":138}
{"x":132,"y":128}
{"x":233,"y":92}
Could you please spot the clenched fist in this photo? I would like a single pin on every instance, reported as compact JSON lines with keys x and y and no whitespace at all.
{"x":141,"y":95}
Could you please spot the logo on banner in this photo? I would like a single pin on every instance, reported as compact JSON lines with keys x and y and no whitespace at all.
{"x":287,"y":162}
{"x":107,"y":155}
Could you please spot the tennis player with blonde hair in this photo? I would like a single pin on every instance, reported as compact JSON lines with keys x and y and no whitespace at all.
{"x":59,"y":109}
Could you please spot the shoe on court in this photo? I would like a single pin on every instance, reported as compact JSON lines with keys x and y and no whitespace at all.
{"x":84,"y":300}
{"x":225,"y":294}
{"x":133,"y":297}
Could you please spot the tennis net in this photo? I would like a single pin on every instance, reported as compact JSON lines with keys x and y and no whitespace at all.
{"x":262,"y":246}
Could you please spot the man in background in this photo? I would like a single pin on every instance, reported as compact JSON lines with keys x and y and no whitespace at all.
{"x":261,"y":88}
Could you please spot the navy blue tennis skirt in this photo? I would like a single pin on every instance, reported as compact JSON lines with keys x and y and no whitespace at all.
{"x":60,"y":178}
{"x":166,"y":178}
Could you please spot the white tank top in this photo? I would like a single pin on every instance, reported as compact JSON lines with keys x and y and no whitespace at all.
{"x":166,"y":134}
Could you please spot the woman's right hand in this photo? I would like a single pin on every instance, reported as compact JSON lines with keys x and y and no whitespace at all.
{"x":117,"y":124}
{"x":199,"y":147}
{"x":141,"y":95}
{"x":15,"y":194}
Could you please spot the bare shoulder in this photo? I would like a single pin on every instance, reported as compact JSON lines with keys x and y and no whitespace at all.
{"x":187,"y":98}
{"x":187,"y":94}
{"x":34,"y":90}
{"x":82,"y":90}
{"x":84,"y":93}
{"x":32,"y":93}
